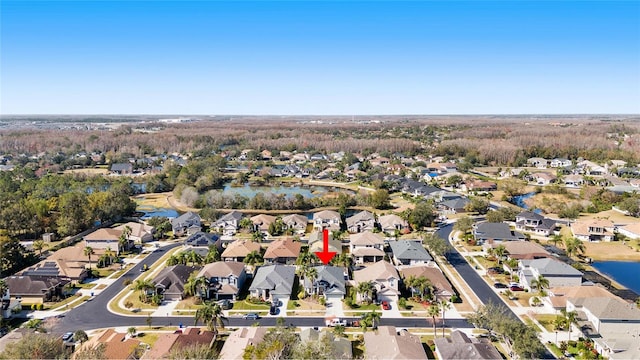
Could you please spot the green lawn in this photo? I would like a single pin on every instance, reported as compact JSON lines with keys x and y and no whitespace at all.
{"x":244,"y":305}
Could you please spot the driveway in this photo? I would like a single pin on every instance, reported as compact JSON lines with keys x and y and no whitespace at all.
{"x":394,"y":312}
{"x":334,"y":308}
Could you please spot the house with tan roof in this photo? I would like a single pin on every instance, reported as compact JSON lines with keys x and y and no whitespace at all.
{"x":521,"y":249}
{"x":316,"y":242}
{"x":390,"y":344}
{"x":326,"y":219}
{"x":140,"y":233}
{"x":296,"y":222}
{"x":239,"y":249}
{"x":117,"y":346}
{"x":103,"y":239}
{"x":170,"y":341}
{"x":557,"y":296}
{"x":632,"y":231}
{"x":360,"y":222}
{"x":479,"y":185}
{"x":73,"y":270}
{"x":543,"y":178}
{"x":459,"y":346}
{"x":283,"y":251}
{"x":385,"y":278}
{"x":442,"y":287}
{"x":261,"y":222}
{"x":233,"y":348}
{"x":366,"y":247}
{"x":392,"y":222}
{"x":225,"y":279}
{"x":593,"y":230}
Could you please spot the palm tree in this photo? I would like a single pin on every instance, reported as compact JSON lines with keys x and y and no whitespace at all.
{"x":573,"y":246}
{"x":143,"y":286}
{"x":513,"y":266}
{"x":555,"y":239}
{"x":434,"y":310}
{"x":213,"y":255}
{"x":253,"y":258}
{"x":444,"y":306}
{"x":422,"y":285}
{"x":499,"y":251}
{"x":305,"y":258}
{"x":312,"y":274}
{"x":540,"y":283}
{"x":245,"y":223}
{"x":570,"y":317}
{"x":38,"y":245}
{"x":3,"y":288}
{"x":211,"y":315}
{"x":193,"y":257}
{"x":257,"y":236}
{"x":374,"y":317}
{"x":109,"y":254}
{"x":365,"y":289}
{"x":131,"y":331}
{"x":88,"y":251}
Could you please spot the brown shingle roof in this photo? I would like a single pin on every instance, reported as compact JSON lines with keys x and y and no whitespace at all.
{"x":386,"y":343}
{"x":283,"y":248}
{"x":240,"y":248}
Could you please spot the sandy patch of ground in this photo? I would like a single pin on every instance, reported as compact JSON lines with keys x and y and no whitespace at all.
{"x":615,"y":216}
{"x":90,"y":171}
{"x":158,"y":200}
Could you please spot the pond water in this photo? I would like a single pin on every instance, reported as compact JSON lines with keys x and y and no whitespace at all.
{"x":624,"y":272}
{"x":519,"y":200}
{"x":154,"y":211}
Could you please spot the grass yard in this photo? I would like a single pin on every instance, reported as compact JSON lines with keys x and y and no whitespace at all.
{"x":546,"y":320}
{"x":244,"y":305}
{"x":187,"y":304}
{"x":148,"y":338}
{"x":304,"y":305}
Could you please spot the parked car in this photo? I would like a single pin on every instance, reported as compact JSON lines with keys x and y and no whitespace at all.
{"x":516,"y":288}
{"x":385,"y":305}
{"x":273,"y":310}
{"x":500,"y":285}
{"x":337,"y":322}
{"x":225,"y":304}
{"x":67,"y":337}
{"x":251,"y":316}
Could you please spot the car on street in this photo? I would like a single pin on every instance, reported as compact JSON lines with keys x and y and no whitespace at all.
{"x":385,"y":305}
{"x":337,"y":322}
{"x":500,"y":285}
{"x":251,"y":316}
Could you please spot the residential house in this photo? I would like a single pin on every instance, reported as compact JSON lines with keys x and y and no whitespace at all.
{"x":326,"y":219}
{"x":389,"y":344}
{"x":535,"y":223}
{"x":122,"y":169}
{"x":225,"y":279}
{"x":117,"y":346}
{"x":362,"y":221}
{"x":385,"y":278}
{"x":187,"y":223}
{"x":266,"y":154}
{"x":593,"y":230}
{"x":479,"y":186}
{"x":103,"y":239}
{"x":560,"y":163}
{"x":557,"y":297}
{"x":442,"y":288}
{"x":409,"y":252}
{"x":328,"y":282}
{"x":392,"y":222}
{"x":590,"y":168}
{"x":316,"y":242}
{"x":200,"y":242}
{"x":140,"y":233}
{"x":35,"y":289}
{"x":495,"y":232}
{"x":573,"y":181}
{"x":283,"y":251}
{"x":521,"y":249}
{"x":273,"y":282}
{"x":72,"y":270}
{"x":455,"y":205}
{"x":339,"y":347}
{"x":239,"y":249}
{"x":228,"y":224}
{"x":632,"y":231}
{"x":8,"y":306}
{"x":538,"y":162}
{"x":239,"y":340}
{"x":169,"y":342}
{"x":459,"y":346}
{"x":170,"y":281}
{"x":261,"y":222}
{"x":557,"y":272}
{"x":295,"y":222}
{"x":366,"y":247}
{"x":542,"y":178}
{"x":611,"y":323}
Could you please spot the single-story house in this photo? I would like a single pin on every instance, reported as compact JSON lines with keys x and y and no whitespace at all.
{"x":495,"y":232}
{"x":455,"y":205}
{"x":170,"y":281}
{"x":388,"y":343}
{"x":283,"y":251}
{"x":169,"y":342}
{"x":407,"y":252}
{"x":631,"y":231}
{"x":34,"y":289}
{"x":442,"y":287}
{"x":239,"y":249}
{"x":261,"y":222}
{"x":459,"y":346}
{"x":392,"y":222}
{"x":273,"y":282}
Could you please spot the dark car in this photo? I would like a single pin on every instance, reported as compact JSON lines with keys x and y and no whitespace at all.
{"x":67,"y":337}
{"x":251,"y":316}
{"x":273,"y":310}
{"x":385,"y":305}
{"x":500,"y":285}
{"x":225,"y":304}
{"x":516,"y":288}
{"x":494,"y":270}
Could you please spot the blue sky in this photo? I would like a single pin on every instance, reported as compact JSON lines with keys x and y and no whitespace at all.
{"x":340,"y":57}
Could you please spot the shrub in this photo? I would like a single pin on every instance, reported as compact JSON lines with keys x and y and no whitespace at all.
{"x":33,"y":306}
{"x":128,"y":304}
{"x":455,"y":298}
{"x":40,"y":307}
{"x":127,"y":282}
{"x":402,"y":303}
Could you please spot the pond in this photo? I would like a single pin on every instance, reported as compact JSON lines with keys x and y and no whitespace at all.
{"x":623,"y":272}
{"x":150,"y":211}
{"x":519,"y":200}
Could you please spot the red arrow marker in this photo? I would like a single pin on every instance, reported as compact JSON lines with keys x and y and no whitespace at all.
{"x":325,"y":255}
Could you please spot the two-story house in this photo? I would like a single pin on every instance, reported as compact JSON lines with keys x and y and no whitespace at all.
{"x":557,"y":272}
{"x":228,"y":224}
{"x":295,"y":222}
{"x":535,"y":223}
{"x":225,"y":279}
{"x":362,"y":221}
{"x":328,"y":282}
{"x":392,"y":222}
{"x":384,"y":277}
{"x":366,"y":247}
{"x":261,"y":222}
{"x":326,"y":219}
{"x":187,"y":223}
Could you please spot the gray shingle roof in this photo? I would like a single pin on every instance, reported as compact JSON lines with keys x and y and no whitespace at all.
{"x":334,"y":276}
{"x":459,"y":346}
{"x":550,"y":267}
{"x":496,"y":231}
{"x":409,"y":250}
{"x":278,"y":279}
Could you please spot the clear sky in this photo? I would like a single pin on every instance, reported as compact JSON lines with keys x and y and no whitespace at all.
{"x":340,"y":57}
